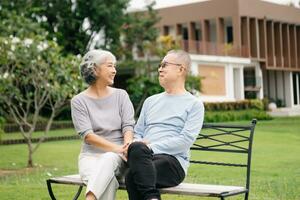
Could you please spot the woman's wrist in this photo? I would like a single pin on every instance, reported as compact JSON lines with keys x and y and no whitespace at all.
{"x":116,"y":148}
{"x":128,"y":137}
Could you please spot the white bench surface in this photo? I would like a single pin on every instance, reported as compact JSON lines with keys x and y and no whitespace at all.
{"x":183,"y":188}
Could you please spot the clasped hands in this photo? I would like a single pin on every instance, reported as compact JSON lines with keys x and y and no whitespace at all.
{"x":122,"y":150}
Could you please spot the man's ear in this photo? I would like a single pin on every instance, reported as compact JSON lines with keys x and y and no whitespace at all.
{"x":182,"y":68}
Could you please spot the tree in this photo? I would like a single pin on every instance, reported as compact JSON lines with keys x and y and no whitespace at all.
{"x":33,"y":73}
{"x":139,"y":31}
{"x":75,"y":24}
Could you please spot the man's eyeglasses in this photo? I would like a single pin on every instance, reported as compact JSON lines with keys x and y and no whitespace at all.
{"x":164,"y":64}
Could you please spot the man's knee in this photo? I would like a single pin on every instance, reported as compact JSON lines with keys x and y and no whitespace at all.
{"x":138,"y":149}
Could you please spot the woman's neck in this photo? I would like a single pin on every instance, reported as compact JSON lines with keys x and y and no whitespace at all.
{"x":98,"y":90}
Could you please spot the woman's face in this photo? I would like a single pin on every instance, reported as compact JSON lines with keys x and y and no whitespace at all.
{"x":106,"y":71}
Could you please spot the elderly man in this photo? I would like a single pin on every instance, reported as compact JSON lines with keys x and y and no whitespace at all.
{"x":167,"y":127}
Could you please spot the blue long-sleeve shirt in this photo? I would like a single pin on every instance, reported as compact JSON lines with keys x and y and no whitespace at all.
{"x":171,"y":123}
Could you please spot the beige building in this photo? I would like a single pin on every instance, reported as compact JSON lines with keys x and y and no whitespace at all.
{"x":242,"y":48}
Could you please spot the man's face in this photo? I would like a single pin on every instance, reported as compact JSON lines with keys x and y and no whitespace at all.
{"x":170,"y":70}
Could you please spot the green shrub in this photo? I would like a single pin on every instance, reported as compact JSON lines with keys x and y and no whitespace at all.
{"x":224,"y":116}
{"x":2,"y":120}
{"x":265,"y":101}
{"x":255,"y":104}
{"x":41,"y":119}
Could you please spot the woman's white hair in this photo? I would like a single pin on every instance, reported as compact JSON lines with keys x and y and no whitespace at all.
{"x":92,"y":59}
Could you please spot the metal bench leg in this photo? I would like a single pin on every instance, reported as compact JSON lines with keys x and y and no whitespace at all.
{"x":246,"y":195}
{"x":222,"y":198}
{"x":50,"y":190}
{"x":78,"y":193}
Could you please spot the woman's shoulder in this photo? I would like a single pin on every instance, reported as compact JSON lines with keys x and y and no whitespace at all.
{"x":120,"y":92}
{"x":78,"y":97}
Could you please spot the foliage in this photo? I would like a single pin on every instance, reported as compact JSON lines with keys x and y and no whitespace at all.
{"x":2,"y":120}
{"x":12,"y":24}
{"x":61,"y":132}
{"x":40,"y":126}
{"x":266,"y":101}
{"x":141,"y":34}
{"x":139,"y":31}
{"x":224,"y":116}
{"x":33,"y":74}
{"x":74,"y":24}
{"x":237,"y":105}
{"x":163,"y":44}
{"x":193,"y":84}
{"x":140,"y":88}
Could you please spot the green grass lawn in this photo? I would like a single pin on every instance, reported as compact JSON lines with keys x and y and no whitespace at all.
{"x":275,"y":168}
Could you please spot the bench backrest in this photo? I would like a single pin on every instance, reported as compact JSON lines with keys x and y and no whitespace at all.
{"x":234,"y":139}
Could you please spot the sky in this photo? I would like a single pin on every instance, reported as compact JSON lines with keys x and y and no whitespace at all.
{"x":139,"y":4}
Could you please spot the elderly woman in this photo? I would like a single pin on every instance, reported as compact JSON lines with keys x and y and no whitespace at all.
{"x":104,"y":117}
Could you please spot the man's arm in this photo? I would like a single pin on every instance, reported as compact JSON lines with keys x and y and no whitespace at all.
{"x":140,"y":126}
{"x":186,"y":137}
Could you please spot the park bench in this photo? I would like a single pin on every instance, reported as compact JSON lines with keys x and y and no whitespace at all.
{"x":219,"y":138}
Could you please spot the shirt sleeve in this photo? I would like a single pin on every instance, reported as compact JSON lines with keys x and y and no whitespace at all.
{"x":80,"y":118}
{"x":140,"y":126}
{"x":127,"y":114}
{"x":186,"y":137}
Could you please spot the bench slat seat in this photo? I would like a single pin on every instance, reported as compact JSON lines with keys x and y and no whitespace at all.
{"x":70,"y":179}
{"x":183,"y":188}
{"x":203,"y":190}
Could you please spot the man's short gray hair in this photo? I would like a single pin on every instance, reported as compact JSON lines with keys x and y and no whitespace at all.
{"x":183,"y":57}
{"x":92,"y":59}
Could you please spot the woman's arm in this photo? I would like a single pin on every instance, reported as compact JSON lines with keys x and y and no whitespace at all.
{"x":127,"y":117}
{"x":128,"y":137}
{"x":104,"y":144}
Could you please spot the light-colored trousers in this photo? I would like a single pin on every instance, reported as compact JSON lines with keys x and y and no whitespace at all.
{"x":99,"y":171}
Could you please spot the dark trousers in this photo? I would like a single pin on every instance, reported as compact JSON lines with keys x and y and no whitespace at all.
{"x":148,"y":172}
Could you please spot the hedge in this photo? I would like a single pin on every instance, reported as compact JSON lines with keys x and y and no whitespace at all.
{"x":255,"y":104}
{"x":2,"y":120}
{"x":12,"y":127}
{"x":224,"y":116}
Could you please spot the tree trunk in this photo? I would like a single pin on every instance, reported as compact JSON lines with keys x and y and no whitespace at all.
{"x":29,"y":161}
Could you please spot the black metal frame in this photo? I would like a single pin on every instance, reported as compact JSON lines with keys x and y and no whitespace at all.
{"x":235,"y":148}
{"x":222,"y":146}
{"x":51,"y":194}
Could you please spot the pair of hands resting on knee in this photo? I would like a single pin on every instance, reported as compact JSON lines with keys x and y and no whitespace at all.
{"x":106,"y":145}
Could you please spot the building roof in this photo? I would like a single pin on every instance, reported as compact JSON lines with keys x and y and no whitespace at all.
{"x":215,"y":8}
{"x":140,"y":5}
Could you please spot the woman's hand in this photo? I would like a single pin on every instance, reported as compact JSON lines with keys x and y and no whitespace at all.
{"x":120,"y":148}
{"x":122,"y":151}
